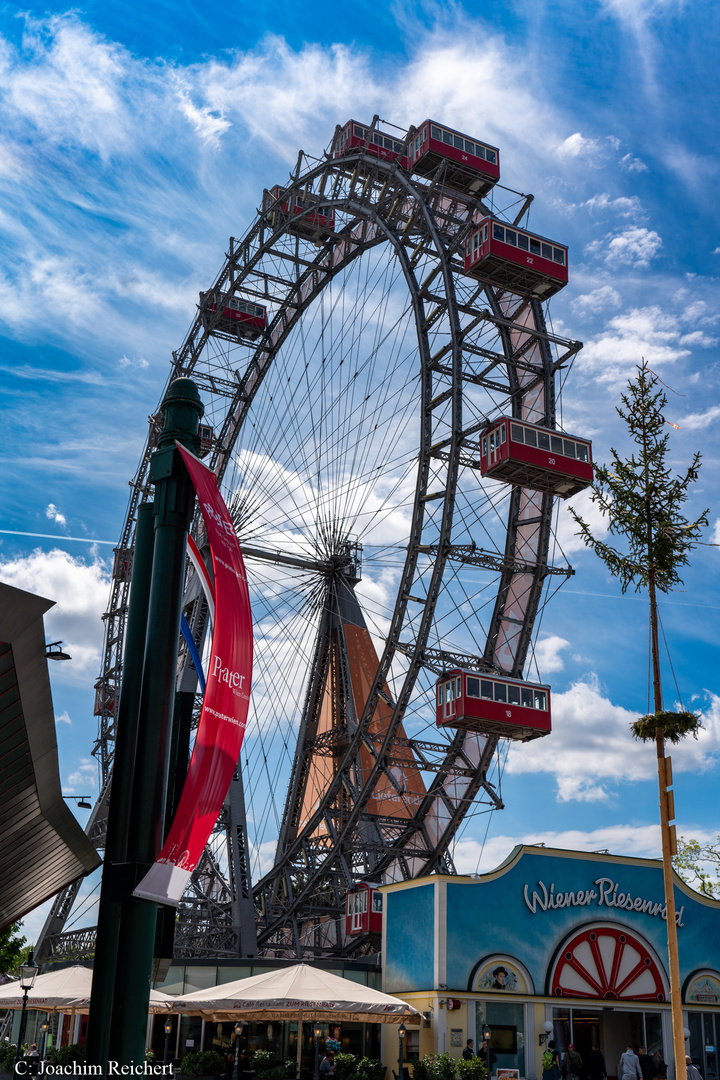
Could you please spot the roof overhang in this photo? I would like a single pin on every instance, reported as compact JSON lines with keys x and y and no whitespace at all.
{"x":42,"y":846}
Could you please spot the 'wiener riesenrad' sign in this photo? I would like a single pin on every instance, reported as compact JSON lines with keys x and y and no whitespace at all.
{"x":607,"y":894}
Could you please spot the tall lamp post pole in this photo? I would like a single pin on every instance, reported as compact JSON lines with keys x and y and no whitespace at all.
{"x":238,"y":1032}
{"x":401,"y":1056}
{"x":486,"y":1039}
{"x":317,"y":1032}
{"x":28,"y":975}
{"x":168,"y":1032}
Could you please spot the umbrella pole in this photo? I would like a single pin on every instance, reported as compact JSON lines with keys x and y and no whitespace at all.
{"x":299,"y":1044}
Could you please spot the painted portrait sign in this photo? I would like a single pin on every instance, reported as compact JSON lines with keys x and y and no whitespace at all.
{"x":500,"y":974}
{"x":704,"y":989}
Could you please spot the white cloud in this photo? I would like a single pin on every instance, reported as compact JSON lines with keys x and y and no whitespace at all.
{"x":700,"y":420}
{"x":639,"y":840}
{"x":633,"y":164}
{"x":622,"y":206}
{"x":80,"y":589}
{"x":567,"y":530}
{"x":54,"y":514}
{"x":591,"y":151}
{"x":138,"y":362}
{"x":64,"y":718}
{"x":634,"y":246}
{"x":83,"y":780}
{"x":716,"y":532}
{"x":547,"y":654}
{"x":699,"y":338}
{"x":70,"y":85}
{"x":598,"y":300}
{"x":589,"y":728}
{"x":651,"y":332}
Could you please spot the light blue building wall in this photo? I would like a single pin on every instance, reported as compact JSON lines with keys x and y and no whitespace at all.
{"x":573,"y":941}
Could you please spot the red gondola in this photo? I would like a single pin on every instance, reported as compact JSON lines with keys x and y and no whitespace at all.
{"x":206,"y":439}
{"x":363,"y":910}
{"x":293,"y":209}
{"x":493,"y":705}
{"x":469,"y":165}
{"x":242,"y":317}
{"x":381,"y":143}
{"x":516,"y":259}
{"x":535,"y":457}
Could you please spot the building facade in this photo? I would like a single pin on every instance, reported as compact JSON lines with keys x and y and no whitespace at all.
{"x":554,"y":944}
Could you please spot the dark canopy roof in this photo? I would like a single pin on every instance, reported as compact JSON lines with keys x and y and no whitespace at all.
{"x":42,"y":846}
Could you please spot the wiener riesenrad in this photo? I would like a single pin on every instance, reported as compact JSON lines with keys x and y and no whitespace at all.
{"x":380,"y":388}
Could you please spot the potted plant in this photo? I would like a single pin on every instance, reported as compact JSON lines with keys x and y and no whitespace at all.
{"x":202,"y":1063}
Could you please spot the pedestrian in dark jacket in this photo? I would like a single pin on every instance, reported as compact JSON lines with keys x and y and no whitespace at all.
{"x":596,"y":1064}
{"x":572,"y":1066}
{"x":648,"y":1066}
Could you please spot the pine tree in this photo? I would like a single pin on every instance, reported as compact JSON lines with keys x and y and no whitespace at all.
{"x":643,"y":503}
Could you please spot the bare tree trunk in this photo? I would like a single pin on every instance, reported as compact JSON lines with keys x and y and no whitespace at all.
{"x":667,"y":844}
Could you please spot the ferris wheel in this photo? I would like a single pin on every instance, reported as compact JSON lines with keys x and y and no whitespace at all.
{"x":355,"y":353}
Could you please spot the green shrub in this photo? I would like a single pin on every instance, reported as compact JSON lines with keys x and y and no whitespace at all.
{"x":345,"y":1066}
{"x":268,"y":1067}
{"x":370,"y":1069}
{"x":202,"y":1063}
{"x":474,"y":1069}
{"x":8,"y":1056}
{"x":67,"y":1055}
{"x":435,"y":1067}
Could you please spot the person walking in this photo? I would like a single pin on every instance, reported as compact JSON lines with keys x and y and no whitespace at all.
{"x":647,"y":1064}
{"x":596,"y":1064}
{"x":551,"y":1063}
{"x":660,"y":1065}
{"x":629,"y":1067}
{"x":572,"y":1066}
{"x":487,"y":1056}
{"x":693,"y":1073}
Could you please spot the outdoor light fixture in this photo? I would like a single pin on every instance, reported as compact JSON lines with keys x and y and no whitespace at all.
{"x":83,"y":801}
{"x":44,"y":1027}
{"x":317,"y":1032}
{"x":28,"y":975}
{"x":54,"y":651}
{"x":547,"y":1028}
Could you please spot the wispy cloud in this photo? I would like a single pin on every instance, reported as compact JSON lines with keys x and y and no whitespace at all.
{"x":632,"y":164}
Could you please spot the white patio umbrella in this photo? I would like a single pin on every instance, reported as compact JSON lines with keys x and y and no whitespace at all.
{"x":55,"y":991}
{"x":299,"y":992}
{"x":66,"y":990}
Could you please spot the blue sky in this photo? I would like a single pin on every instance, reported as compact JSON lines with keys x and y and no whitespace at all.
{"x":135,"y":137}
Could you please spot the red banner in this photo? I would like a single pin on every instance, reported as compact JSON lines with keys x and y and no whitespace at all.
{"x":225,"y":704}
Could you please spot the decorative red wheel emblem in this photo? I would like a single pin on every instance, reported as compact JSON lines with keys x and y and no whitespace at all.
{"x":605,"y":963}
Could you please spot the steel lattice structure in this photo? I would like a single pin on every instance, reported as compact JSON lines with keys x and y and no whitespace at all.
{"x":346,"y":433}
